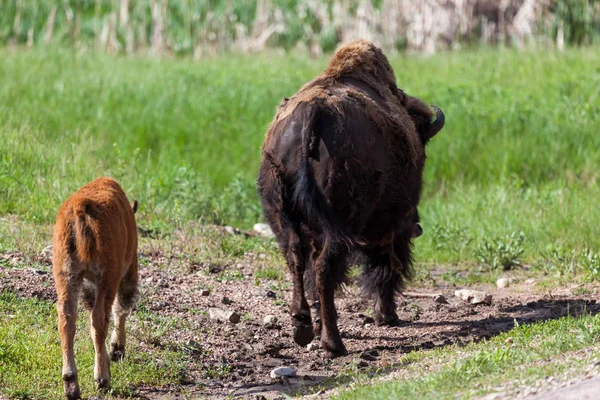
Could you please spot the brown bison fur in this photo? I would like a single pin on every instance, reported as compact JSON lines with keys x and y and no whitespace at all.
{"x":340,"y":178}
{"x":95,"y":256}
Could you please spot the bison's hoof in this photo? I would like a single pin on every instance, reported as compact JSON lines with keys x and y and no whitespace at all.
{"x":334,"y":350}
{"x":303,"y":335}
{"x":117,"y":352}
{"x":388,"y":320}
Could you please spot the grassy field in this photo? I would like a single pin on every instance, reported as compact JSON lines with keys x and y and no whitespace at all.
{"x":519,"y":152}
{"x":511,"y":180}
{"x":522,"y":354}
{"x":30,"y":358}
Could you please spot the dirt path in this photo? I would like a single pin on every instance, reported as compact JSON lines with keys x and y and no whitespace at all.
{"x":585,"y":390}
{"x":246,"y":352}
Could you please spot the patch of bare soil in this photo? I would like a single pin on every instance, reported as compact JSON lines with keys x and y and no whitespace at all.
{"x":235,"y":359}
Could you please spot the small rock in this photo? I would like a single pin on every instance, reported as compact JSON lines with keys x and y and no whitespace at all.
{"x":576,"y":285}
{"x":503,"y":283}
{"x":163,"y":284}
{"x":162,"y":305}
{"x":508,"y":340}
{"x":313,"y":346}
{"x":530,"y":281}
{"x":270,"y":294}
{"x":283,"y":371}
{"x":230,"y":230}
{"x":474,"y":296}
{"x":47,"y":252}
{"x":38,"y":271}
{"x":193,"y":346}
{"x":223,"y":315}
{"x":226,"y":300}
{"x":204,"y":292}
{"x":493,"y":396}
{"x":264,"y":230}
{"x":440,"y":299}
{"x":269,"y":320}
{"x":367,"y":356}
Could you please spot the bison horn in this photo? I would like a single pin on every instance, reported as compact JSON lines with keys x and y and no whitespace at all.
{"x":436,"y":125}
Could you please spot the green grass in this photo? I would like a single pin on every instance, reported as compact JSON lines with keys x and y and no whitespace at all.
{"x":519,"y":152}
{"x":514,"y":359}
{"x":30,"y":360}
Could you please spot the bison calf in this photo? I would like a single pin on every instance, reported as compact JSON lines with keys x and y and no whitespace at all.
{"x":95,"y":255}
{"x":341,"y":177}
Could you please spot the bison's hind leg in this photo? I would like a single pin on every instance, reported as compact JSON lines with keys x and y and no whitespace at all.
{"x":302,"y":330}
{"x":277,"y":210}
{"x":383,"y":276}
{"x":330,"y":271}
{"x":337,"y":276}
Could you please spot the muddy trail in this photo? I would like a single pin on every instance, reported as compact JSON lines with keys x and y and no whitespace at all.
{"x":235,"y":359}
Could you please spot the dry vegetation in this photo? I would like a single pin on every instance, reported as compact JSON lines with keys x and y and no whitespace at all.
{"x":210,"y":27}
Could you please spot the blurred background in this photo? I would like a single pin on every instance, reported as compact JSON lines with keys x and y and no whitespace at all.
{"x":200,"y":27}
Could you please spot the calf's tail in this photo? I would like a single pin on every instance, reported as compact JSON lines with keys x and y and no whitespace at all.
{"x":85,"y":238}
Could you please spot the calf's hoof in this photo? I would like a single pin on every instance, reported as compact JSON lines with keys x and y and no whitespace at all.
{"x":103,"y":384}
{"x":303,"y":334}
{"x":71,"y":386}
{"x":72,"y":390}
{"x":117,"y":352}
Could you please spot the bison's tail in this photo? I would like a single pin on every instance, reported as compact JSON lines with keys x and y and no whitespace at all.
{"x":85,"y":239}
{"x":308,"y":197}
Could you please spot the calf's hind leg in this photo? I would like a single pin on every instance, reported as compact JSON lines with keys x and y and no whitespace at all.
{"x":99,"y":320}
{"x":122,"y":306}
{"x":67,"y":288}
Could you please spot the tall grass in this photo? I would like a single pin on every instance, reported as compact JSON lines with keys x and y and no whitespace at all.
{"x":519,"y":152}
{"x":196,"y":27}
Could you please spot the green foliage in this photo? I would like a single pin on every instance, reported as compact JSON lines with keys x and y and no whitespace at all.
{"x":452,"y":238}
{"x":579,"y":20}
{"x":536,"y":352}
{"x":568,"y":263}
{"x":30,"y":361}
{"x":501,"y":252}
{"x":272,"y":273}
{"x":183,"y":138}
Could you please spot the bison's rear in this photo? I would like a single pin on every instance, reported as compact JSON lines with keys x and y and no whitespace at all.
{"x":341,"y":175}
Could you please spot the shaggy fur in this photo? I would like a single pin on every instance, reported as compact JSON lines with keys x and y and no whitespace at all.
{"x":340,"y":177}
{"x":95,"y":256}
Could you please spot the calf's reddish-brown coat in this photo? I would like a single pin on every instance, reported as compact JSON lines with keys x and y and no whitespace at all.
{"x":95,"y":256}
{"x":341,"y":177}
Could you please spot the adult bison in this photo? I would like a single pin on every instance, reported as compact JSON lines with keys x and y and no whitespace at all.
{"x":341,"y":177}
